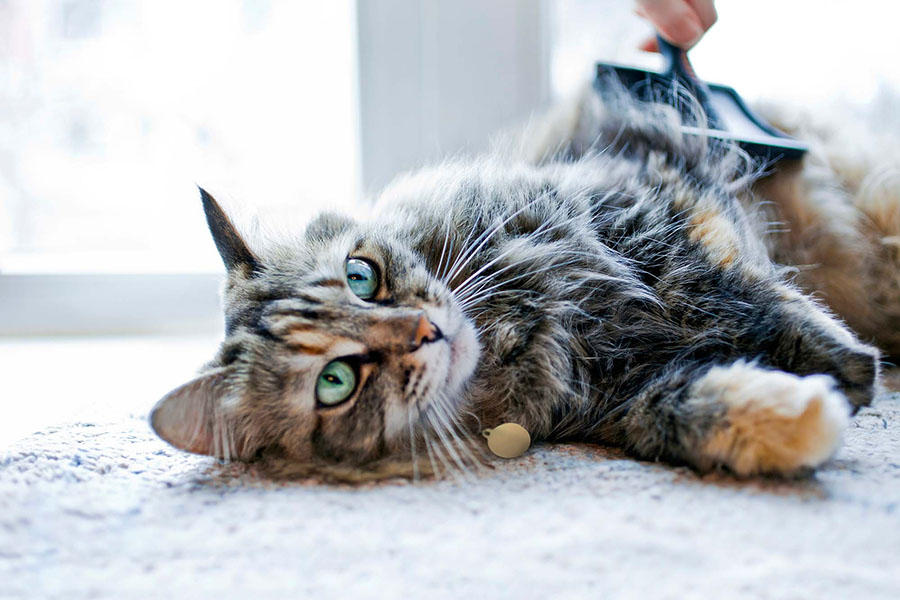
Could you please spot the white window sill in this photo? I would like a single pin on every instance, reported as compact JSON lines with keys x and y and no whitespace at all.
{"x":51,"y":381}
{"x":104,"y":304}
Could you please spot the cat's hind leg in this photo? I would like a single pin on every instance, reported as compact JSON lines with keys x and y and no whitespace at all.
{"x":838,"y":214}
{"x":746,"y":418}
{"x":878,"y":200}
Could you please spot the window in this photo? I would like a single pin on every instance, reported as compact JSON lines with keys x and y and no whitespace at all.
{"x":803,"y":51}
{"x":113,"y":111}
{"x":116,"y":110}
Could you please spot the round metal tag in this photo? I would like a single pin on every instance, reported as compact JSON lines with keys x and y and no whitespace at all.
{"x":508,"y":440}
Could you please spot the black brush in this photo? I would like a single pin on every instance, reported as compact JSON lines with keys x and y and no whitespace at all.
{"x":727,"y":116}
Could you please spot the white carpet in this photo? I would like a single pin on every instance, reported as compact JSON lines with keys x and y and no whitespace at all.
{"x":109,"y":511}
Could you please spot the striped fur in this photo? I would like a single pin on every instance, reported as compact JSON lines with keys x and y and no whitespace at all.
{"x":604,"y":279}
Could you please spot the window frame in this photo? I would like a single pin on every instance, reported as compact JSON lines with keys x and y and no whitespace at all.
{"x":399,"y":42}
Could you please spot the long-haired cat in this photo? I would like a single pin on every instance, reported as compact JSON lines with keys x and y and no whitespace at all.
{"x":609,"y":279}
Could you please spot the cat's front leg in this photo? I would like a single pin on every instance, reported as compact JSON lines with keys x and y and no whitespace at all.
{"x":748,"y":419}
{"x":809,"y":341}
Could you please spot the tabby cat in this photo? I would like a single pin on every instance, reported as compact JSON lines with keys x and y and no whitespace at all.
{"x":606,"y":279}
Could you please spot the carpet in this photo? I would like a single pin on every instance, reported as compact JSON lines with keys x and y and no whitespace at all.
{"x":106,"y":510}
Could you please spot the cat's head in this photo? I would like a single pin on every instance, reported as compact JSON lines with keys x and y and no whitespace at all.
{"x":338,"y":347}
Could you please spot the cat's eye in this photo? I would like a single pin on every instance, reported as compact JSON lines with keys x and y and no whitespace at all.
{"x":362,"y":278}
{"x":336,"y":383}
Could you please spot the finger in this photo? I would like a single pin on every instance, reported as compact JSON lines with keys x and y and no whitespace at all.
{"x":649,"y":45}
{"x":675,"y":21}
{"x":706,"y":10}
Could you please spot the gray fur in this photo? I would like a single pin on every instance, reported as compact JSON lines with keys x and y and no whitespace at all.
{"x":606,"y":263}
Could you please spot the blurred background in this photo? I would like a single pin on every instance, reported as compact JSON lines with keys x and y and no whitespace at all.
{"x":111,"y":111}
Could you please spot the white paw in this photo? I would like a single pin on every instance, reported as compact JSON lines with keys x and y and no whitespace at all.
{"x":775,"y":422}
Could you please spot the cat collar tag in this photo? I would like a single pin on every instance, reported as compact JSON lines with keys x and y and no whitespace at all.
{"x":509,"y":440}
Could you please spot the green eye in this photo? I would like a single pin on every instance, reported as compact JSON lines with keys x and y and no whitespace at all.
{"x":336,"y":383}
{"x":362,"y":278}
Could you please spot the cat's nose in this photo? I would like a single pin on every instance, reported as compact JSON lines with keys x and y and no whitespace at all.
{"x":426,"y":332}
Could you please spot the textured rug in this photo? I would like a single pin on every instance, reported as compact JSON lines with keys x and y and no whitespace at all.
{"x":92,"y":510}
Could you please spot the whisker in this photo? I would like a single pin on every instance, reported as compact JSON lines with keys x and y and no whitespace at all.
{"x":443,"y":249}
{"x":588,"y":276}
{"x":442,"y":458}
{"x":412,"y":442}
{"x":460,"y":436}
{"x":452,"y":266}
{"x":539,"y":231}
{"x":441,"y":432}
{"x":470,"y":301}
{"x":428,"y":449}
{"x":462,"y":291}
{"x":485,"y":237}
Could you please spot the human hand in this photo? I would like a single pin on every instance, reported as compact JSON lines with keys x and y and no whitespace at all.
{"x":681,"y":22}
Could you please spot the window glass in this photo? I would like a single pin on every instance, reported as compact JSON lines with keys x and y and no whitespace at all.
{"x":805,"y":51}
{"x":112,"y":111}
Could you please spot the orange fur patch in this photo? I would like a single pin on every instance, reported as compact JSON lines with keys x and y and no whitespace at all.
{"x":717,"y":235}
{"x":308,"y":341}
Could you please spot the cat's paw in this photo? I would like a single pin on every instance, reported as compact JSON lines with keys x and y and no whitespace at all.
{"x":774,"y":422}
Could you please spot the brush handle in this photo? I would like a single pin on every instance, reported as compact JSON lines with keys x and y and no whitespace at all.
{"x":678,"y":68}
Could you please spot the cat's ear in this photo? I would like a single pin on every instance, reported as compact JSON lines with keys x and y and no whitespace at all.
{"x":196,"y":417}
{"x":232,"y":247}
{"x":328,"y":225}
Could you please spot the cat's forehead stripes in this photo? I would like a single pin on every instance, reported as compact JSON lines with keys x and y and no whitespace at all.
{"x":319,"y":343}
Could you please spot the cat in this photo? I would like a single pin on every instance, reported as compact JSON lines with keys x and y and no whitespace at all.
{"x":605,"y":279}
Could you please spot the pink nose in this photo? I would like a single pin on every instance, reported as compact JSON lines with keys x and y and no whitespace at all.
{"x":426,"y":332}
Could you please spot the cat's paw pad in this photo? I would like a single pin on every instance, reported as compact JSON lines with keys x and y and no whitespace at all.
{"x":775,"y":422}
